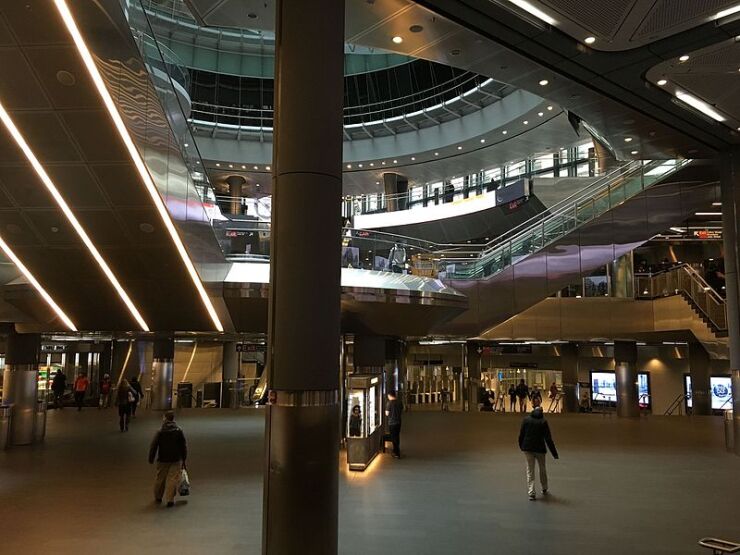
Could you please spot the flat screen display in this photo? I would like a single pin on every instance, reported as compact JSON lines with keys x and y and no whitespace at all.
{"x":604,"y":387}
{"x":721,"y":387}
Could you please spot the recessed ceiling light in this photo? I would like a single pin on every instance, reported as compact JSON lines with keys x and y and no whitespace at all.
{"x":377,"y":182}
{"x":436,"y":153}
{"x":412,"y":158}
{"x":525,"y":122}
{"x":267,"y":168}
{"x":137,"y":160}
{"x":540,"y":114}
{"x":186,"y":145}
{"x":231,"y":165}
{"x":397,"y":40}
{"x":589,"y":40}
{"x":504,"y":132}
{"x":483,"y":140}
{"x":628,"y":139}
{"x":544,"y":82}
{"x":662,"y":82}
{"x":218,"y":165}
{"x":684,"y":58}
{"x":256,"y":167}
{"x":549,"y":108}
{"x":416,"y":28}
{"x":459,"y":148}
{"x":395,"y":161}
{"x":633,"y":152}
{"x":382,"y":163}
{"x":244,"y":167}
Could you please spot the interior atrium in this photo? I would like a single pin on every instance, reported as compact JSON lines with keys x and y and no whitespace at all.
{"x":250,"y":238}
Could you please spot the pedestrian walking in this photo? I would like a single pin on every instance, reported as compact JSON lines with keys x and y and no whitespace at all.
{"x":136,"y":386}
{"x":393,"y":411}
{"x":445,"y":399}
{"x":170,"y":450}
{"x":512,"y":398}
{"x":58,"y":385}
{"x":80,"y":388}
{"x":522,"y":392}
{"x":125,"y":397}
{"x":105,"y":392}
{"x":534,"y":440}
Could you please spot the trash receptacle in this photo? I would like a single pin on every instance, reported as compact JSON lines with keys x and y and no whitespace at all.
{"x":729,"y":431}
{"x":184,"y":395}
{"x":6,"y":413}
{"x":39,"y":426}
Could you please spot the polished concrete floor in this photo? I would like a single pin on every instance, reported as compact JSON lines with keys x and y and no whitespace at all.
{"x":653,"y":485}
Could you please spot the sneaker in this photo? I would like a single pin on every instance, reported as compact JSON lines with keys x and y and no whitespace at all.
{"x":170,"y":504}
{"x":532,"y":497}
{"x":544,"y":492}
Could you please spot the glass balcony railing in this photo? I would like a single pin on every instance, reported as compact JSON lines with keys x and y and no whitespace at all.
{"x":563,"y":218}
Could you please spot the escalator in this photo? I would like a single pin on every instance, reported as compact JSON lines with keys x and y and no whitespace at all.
{"x":574,"y":238}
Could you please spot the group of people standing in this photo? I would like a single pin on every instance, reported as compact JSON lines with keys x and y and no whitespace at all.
{"x":126,"y":396}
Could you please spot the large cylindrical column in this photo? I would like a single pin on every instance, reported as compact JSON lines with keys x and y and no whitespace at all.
{"x":701,"y":396}
{"x":163,"y":367}
{"x":300,"y":508}
{"x":730,"y":187}
{"x":625,"y":367}
{"x":569,"y":368}
{"x":20,"y":384}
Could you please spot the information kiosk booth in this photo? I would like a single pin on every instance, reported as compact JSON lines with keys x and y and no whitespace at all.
{"x":364,"y":429}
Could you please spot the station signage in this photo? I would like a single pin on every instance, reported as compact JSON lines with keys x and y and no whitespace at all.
{"x":250,"y":348}
{"x":708,"y":234}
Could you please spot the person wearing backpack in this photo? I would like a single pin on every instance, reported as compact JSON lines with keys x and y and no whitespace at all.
{"x":125,"y":396}
{"x":534,"y":441}
{"x":171,"y":451}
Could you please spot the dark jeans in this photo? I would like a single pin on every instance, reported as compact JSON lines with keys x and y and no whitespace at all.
{"x":394,"y":430}
{"x":58,"y":400}
{"x":79,"y":399}
{"x":124,"y":413}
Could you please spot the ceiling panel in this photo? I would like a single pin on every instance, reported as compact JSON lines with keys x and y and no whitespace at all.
{"x":95,"y":134}
{"x":24,"y":187}
{"x":122,"y":185}
{"x":34,"y":22}
{"x":46,"y":136}
{"x":145,"y":227}
{"x":77,"y":185}
{"x":16,"y":231}
{"x":102,"y":226}
{"x":22,"y":91}
{"x":65,"y":79}
{"x":53,"y":228}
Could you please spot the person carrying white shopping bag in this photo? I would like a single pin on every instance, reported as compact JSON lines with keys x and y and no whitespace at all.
{"x":171,"y":451}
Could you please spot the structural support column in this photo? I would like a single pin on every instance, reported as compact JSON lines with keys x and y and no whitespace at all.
{"x":625,"y":367}
{"x":230,"y":390}
{"x":300,"y":507}
{"x":701,"y":397}
{"x":730,"y":187}
{"x":472,"y":361}
{"x":163,"y":367}
{"x":569,"y":368}
{"x":20,"y":384}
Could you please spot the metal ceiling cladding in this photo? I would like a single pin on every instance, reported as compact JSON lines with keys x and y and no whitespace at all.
{"x":136,"y":157}
{"x":69,"y":214}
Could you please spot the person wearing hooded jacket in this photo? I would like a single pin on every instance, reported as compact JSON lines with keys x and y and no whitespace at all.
{"x":534,"y":440}
{"x":171,"y":450}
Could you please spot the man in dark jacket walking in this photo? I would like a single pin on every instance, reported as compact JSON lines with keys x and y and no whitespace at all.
{"x":170,"y":443}
{"x":534,"y":440}
{"x":393,"y":412}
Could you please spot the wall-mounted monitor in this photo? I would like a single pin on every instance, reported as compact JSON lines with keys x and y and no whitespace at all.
{"x":604,"y":387}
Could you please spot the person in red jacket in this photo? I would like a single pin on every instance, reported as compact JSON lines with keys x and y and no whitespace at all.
{"x":80,"y":388}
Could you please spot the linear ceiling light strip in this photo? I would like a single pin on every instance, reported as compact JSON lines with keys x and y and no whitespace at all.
{"x":29,"y":276}
{"x":46,"y":180}
{"x":92,"y":69}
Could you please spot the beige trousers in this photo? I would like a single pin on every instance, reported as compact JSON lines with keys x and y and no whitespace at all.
{"x":540,"y":458}
{"x":167,"y":480}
